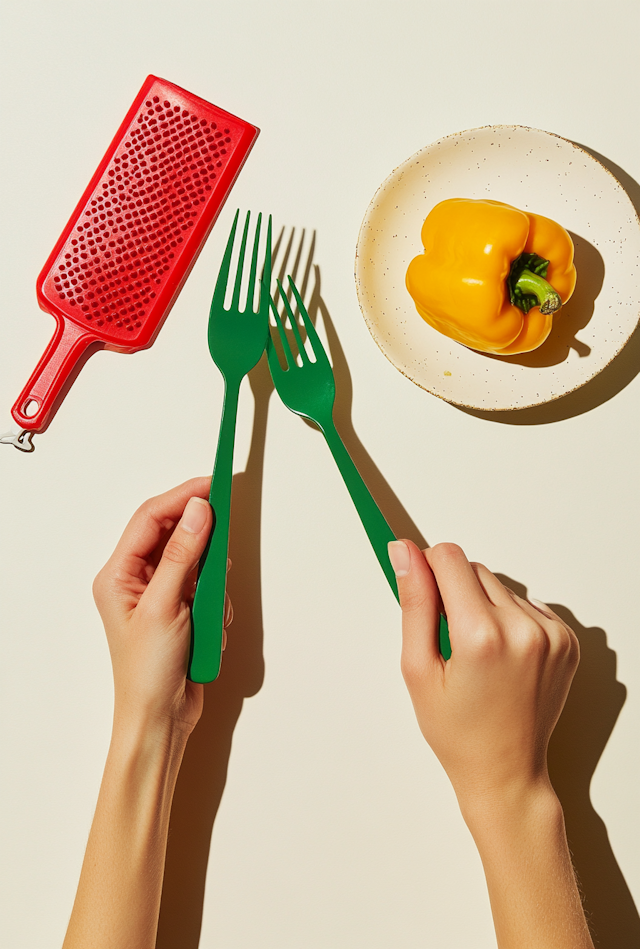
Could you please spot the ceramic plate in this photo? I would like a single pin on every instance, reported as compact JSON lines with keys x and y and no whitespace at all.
{"x":535,"y":171}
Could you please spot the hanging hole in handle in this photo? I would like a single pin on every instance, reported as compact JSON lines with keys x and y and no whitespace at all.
{"x":31,"y":408}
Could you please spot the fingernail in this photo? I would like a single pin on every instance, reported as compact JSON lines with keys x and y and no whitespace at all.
{"x":539,"y":605}
{"x":400,"y":557}
{"x":195,"y":515}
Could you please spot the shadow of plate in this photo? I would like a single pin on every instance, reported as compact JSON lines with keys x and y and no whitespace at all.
{"x":617,"y":375}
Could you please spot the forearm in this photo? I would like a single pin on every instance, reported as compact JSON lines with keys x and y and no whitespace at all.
{"x":532,"y":887}
{"x":118,"y":898}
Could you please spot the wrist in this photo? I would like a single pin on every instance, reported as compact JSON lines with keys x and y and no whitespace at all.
{"x":169,"y":716}
{"x":512,"y":811}
{"x":148,"y":736}
{"x":521,"y":840}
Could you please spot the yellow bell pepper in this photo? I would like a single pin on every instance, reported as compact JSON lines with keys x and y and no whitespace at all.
{"x":491,"y":276}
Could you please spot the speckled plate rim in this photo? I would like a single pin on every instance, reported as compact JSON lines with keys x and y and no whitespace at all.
{"x":366,"y":221}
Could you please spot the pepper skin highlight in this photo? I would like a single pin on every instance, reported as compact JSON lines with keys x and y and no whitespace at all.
{"x":491,"y":276}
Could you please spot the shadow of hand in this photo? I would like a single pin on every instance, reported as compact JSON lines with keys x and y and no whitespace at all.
{"x":583,"y":730}
{"x":203,"y":773}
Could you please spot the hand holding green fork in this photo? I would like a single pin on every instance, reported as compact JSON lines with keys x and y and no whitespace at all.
{"x":236,"y":342}
{"x":237,"y":338}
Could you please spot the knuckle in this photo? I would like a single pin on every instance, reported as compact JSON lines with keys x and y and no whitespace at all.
{"x":568,"y":643}
{"x":152,"y":510}
{"x":415,"y":600}
{"x":487,"y":638}
{"x":447,"y":551}
{"x":562,"y":632}
{"x":147,"y":507}
{"x":176,"y":552}
{"x":574,"y":645}
{"x":532,"y":638}
{"x":98,"y":588}
{"x":477,"y":565}
{"x":412,"y":671}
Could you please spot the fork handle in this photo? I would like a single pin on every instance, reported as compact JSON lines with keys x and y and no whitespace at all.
{"x":373,"y":521}
{"x":207,"y":613}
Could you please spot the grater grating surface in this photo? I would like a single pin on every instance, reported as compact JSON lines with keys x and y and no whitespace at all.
{"x":122,"y":259}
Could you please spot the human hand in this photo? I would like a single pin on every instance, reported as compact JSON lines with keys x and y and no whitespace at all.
{"x":488,"y":712}
{"x":144,"y":594}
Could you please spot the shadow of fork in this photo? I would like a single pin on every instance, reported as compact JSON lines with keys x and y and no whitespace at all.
{"x":388,"y":501}
{"x":203,"y":774}
{"x":396,"y":515}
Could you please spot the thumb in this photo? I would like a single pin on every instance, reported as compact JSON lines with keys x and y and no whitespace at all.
{"x":181,"y":554}
{"x":419,"y":601}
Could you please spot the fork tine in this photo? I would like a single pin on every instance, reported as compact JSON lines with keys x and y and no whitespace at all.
{"x":288,"y":355}
{"x":265,"y":284}
{"x":235,"y":303}
{"x":254,"y":266}
{"x":314,"y":339}
{"x":294,"y":324}
{"x":223,"y":273}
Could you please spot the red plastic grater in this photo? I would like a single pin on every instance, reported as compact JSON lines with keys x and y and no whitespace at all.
{"x":122,"y":259}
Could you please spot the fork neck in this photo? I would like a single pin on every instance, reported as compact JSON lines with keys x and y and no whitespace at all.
{"x":231,"y":396}
{"x":324,"y":420}
{"x":223,"y":467}
{"x":232,"y":385}
{"x":328,"y":428}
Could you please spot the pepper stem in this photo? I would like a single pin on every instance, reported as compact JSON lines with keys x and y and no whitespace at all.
{"x":530,"y":283}
{"x":527,"y":285}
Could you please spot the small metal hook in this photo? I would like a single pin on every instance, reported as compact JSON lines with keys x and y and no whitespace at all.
{"x":22,"y":441}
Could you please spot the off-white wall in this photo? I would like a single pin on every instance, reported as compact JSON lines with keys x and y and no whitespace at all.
{"x":337,"y":827}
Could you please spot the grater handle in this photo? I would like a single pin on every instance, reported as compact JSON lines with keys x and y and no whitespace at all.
{"x":58,"y":367}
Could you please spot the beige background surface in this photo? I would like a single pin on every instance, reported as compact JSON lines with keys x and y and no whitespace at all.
{"x":336,"y":827}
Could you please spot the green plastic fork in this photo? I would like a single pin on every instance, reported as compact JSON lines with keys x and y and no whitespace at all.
{"x":237,"y":339}
{"x":309,"y":390}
